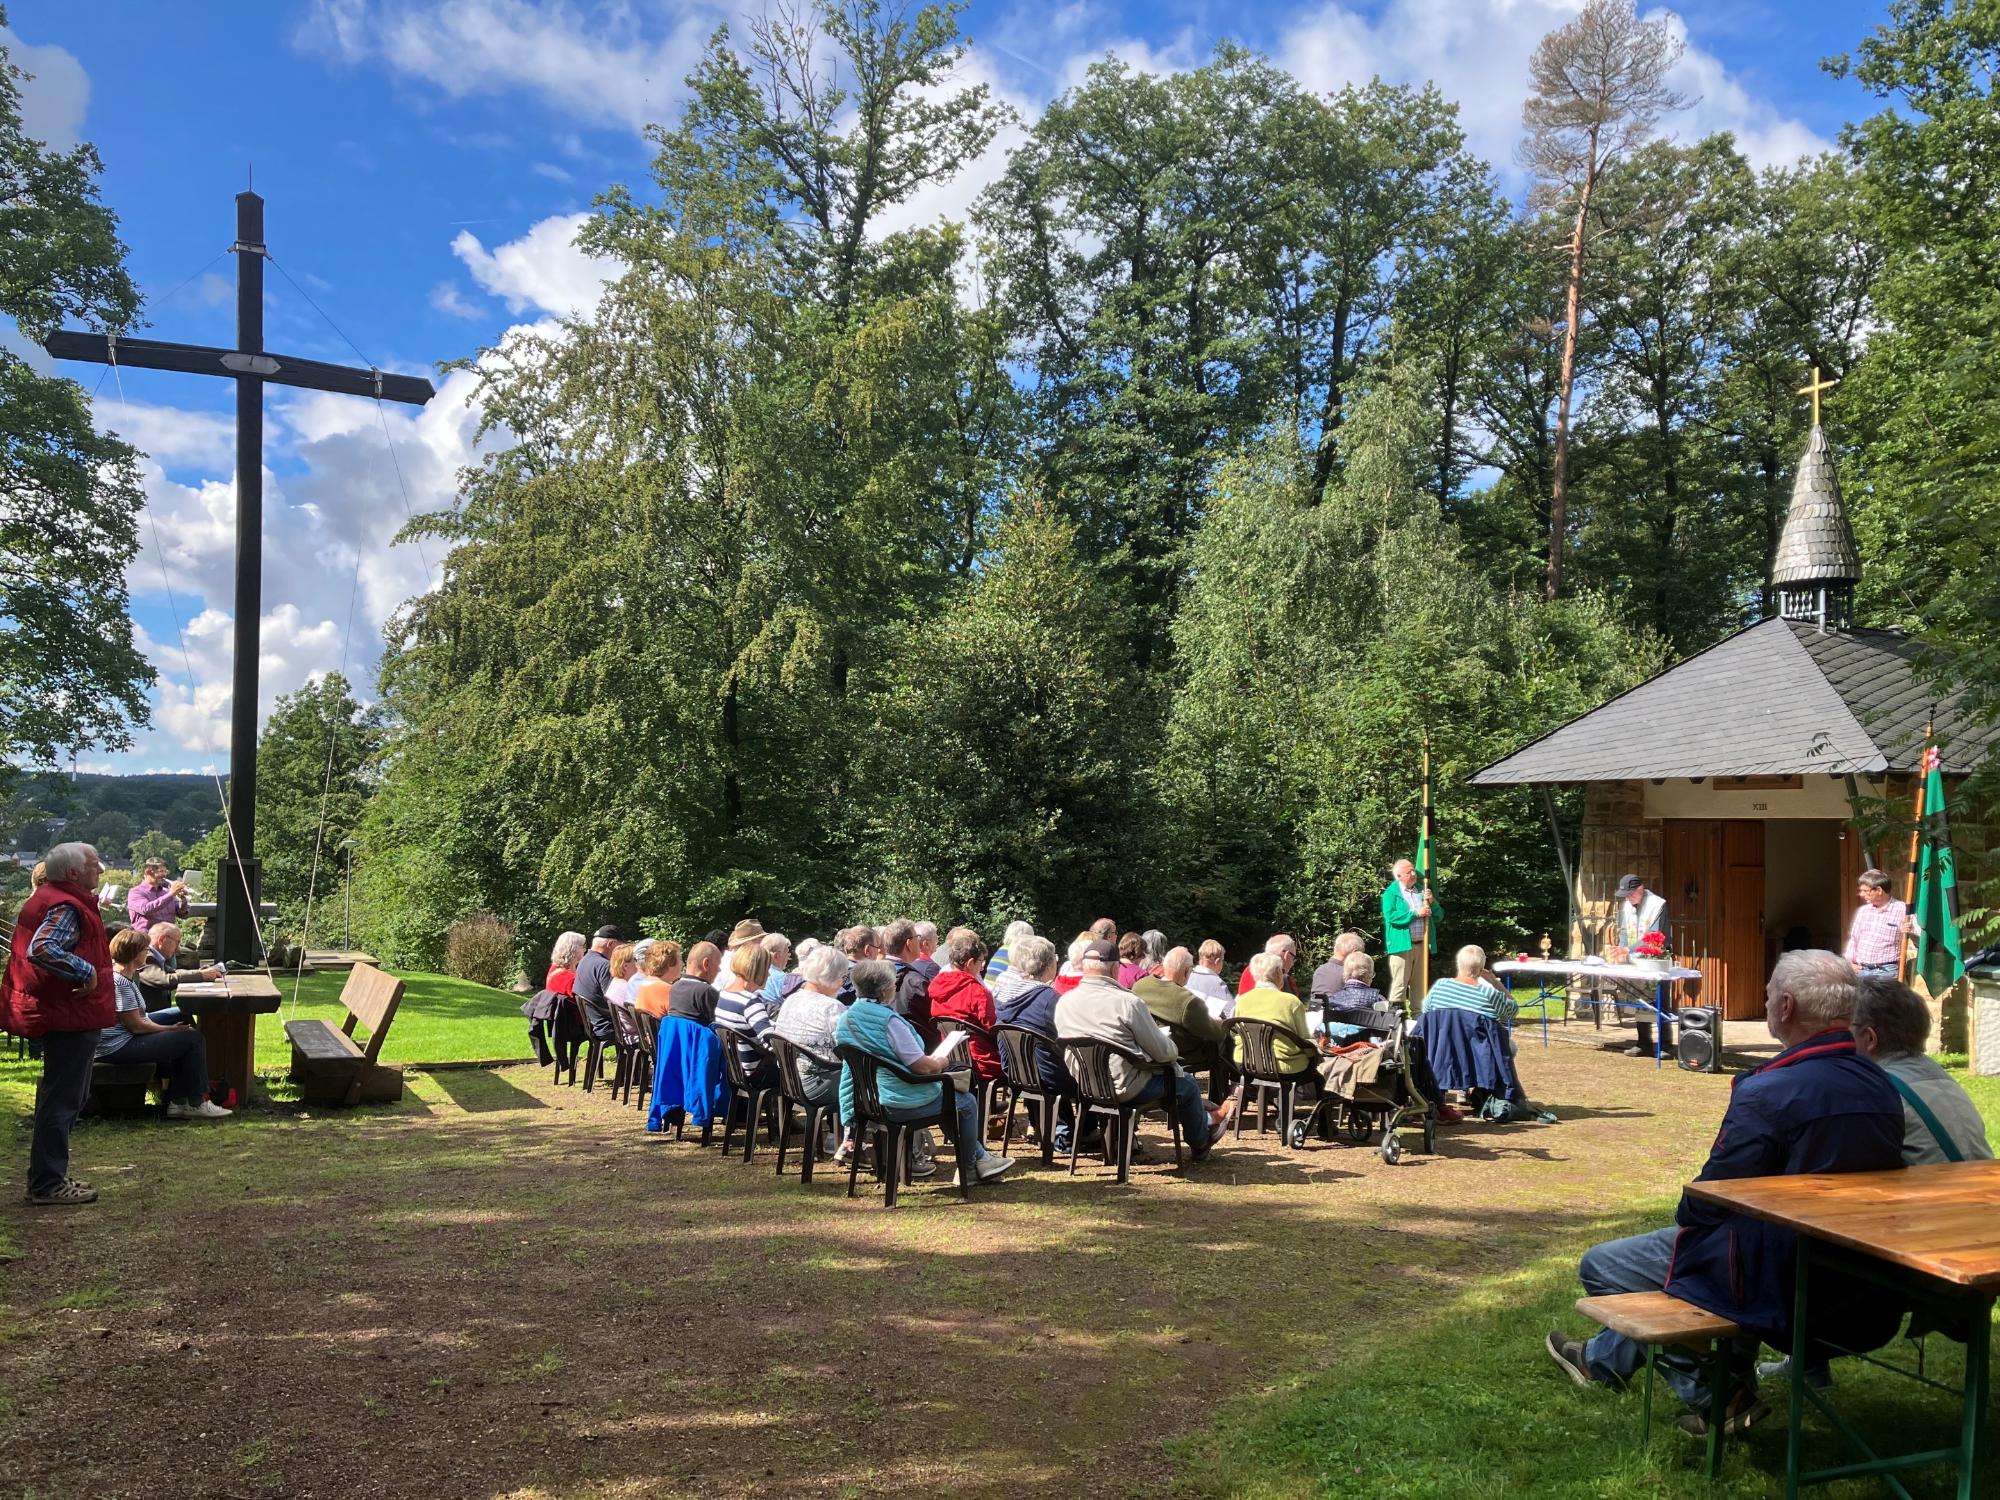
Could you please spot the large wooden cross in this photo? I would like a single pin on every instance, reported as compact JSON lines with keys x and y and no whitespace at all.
{"x":240,"y":877}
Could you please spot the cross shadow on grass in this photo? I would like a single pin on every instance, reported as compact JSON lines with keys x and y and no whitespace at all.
{"x":482,"y":1090}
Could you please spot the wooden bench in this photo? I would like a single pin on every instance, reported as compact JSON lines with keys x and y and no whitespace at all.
{"x":118,"y":1088}
{"x":329,"y":1066}
{"x":1655,"y":1319}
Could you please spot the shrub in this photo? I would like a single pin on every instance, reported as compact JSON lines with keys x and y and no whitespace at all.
{"x":480,"y":948}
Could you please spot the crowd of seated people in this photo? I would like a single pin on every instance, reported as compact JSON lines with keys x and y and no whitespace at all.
{"x":1170,"y":1005}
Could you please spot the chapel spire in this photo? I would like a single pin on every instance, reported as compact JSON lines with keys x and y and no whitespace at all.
{"x":1817,"y":564}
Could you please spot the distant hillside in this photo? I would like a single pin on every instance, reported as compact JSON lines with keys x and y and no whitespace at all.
{"x":108,"y":811}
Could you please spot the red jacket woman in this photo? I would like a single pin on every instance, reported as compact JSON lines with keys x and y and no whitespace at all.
{"x":957,"y":995}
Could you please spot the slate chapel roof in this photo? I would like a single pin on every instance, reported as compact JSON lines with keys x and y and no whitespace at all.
{"x":1781,"y":698}
{"x":1817,"y":544}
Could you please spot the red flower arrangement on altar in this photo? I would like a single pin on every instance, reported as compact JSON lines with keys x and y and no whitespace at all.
{"x":1652,"y":945}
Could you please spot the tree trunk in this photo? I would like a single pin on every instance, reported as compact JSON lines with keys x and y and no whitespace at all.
{"x":1559,"y":480}
{"x":1332,"y":412}
{"x":732,"y":743}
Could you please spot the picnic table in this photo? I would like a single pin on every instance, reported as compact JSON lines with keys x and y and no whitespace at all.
{"x":1633,"y":988}
{"x":226,"y":1010}
{"x":1928,"y":1235}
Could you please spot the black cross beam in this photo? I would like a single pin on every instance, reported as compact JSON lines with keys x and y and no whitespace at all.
{"x":252,"y":368}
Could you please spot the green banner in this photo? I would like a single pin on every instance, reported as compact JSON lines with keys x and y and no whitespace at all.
{"x":1940,"y":952}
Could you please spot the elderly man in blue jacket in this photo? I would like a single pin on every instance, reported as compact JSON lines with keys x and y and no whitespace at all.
{"x":1818,"y":1106}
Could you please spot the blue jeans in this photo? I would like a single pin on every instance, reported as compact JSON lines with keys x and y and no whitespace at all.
{"x":181,"y":1057}
{"x":1188,"y":1105}
{"x":66,"y":1060}
{"x":1640,"y":1264}
{"x":1885,"y":971}
{"x":971,"y":1129}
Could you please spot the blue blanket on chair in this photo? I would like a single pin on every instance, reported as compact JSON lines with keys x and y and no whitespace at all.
{"x":688,"y":1075}
{"x":1468,"y":1050}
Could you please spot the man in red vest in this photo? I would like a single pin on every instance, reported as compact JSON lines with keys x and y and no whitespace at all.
{"x":58,"y":988}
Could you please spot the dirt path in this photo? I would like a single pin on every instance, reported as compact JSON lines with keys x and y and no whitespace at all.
{"x":503,"y":1288}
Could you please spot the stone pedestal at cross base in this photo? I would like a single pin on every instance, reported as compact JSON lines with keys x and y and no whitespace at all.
{"x":1986,"y":1027}
{"x":241,"y":891}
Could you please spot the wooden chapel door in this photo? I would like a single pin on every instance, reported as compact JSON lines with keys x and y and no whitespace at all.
{"x":1745,"y":961}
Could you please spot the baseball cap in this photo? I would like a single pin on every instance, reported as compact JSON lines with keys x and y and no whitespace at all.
{"x":1101,"y":951}
{"x":608,"y":931}
{"x":1627,"y":885}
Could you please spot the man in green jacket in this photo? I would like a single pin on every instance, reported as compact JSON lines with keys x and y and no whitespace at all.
{"x":1408,"y":919}
{"x":1170,"y":1000}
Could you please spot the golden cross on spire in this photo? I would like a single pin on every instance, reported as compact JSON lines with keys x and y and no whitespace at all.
{"x":1814,"y":388}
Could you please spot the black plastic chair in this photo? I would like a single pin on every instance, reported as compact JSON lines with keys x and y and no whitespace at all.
{"x":1021,"y":1076}
{"x":988,"y":1087}
{"x":1199,"y":1055}
{"x":620,"y":1044}
{"x":646,"y":1058}
{"x":1258,"y":1068}
{"x":741,"y":1090}
{"x":893,"y":1133}
{"x":1097,"y":1094}
{"x":792,"y":1095}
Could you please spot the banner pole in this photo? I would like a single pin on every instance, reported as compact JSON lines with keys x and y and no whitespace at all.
{"x":1916,"y":837}
{"x":1424,"y":839}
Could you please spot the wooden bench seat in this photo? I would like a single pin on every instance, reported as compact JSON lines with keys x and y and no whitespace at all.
{"x":329,"y":1065}
{"x":1656,"y":1319}
{"x":118,"y":1088}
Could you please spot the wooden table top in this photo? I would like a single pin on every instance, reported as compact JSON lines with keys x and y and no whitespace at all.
{"x":239,"y":994}
{"x":1942,"y":1220}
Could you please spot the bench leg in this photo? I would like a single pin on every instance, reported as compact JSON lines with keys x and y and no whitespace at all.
{"x":1718,"y":1405}
{"x":1646,"y":1410}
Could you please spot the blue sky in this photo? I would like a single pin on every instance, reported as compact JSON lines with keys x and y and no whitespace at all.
{"x":422,"y":162}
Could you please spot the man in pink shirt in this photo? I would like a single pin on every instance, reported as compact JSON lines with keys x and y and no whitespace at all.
{"x":1875,"y":937}
{"x":155,"y":898}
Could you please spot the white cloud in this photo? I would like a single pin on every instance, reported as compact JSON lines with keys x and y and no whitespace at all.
{"x":56,"y":96}
{"x":543,"y":269}
{"x":449,"y":300}
{"x":551,"y":171}
{"x":334,"y":503}
{"x":170,"y":434}
{"x":1477,"y":52}
{"x":605,"y":62}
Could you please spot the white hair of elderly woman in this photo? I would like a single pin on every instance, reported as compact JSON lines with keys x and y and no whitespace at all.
{"x":805,"y":947}
{"x":1155,"y":942}
{"x":1266,"y":968}
{"x":568,"y":949}
{"x":1471,"y":961}
{"x":824,"y":966}
{"x":67,"y":861}
{"x":1017,"y":932}
{"x":1032,"y":957}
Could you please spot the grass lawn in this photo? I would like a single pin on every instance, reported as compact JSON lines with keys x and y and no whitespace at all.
{"x":441,"y":1019}
{"x":504,"y":1288}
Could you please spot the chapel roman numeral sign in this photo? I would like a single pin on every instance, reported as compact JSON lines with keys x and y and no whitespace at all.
{"x":252,"y":368}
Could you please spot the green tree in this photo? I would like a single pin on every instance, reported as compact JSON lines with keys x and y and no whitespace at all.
{"x":1033,"y":809}
{"x":70,"y":678}
{"x":1318,"y":644}
{"x":669,"y":601}
{"x":1597,"y":88}
{"x":1805,"y":265}
{"x":314,"y":776}
{"x":153,"y":844}
{"x":1650,"y":530}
